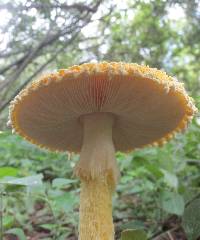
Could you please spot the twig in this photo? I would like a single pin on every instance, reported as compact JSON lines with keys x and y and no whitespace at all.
{"x":5,"y":104}
{"x":15,"y":63}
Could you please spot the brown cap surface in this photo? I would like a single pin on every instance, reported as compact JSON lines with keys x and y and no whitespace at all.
{"x":149,"y":106}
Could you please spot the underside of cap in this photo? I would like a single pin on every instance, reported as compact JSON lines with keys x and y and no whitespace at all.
{"x":148,"y":105}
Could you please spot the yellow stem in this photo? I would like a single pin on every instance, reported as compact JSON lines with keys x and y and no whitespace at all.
{"x":96,"y":221}
{"x":98,"y":172}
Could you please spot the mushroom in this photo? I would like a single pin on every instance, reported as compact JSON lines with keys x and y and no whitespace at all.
{"x":96,"y":109}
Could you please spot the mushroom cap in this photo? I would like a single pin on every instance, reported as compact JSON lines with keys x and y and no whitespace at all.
{"x":149,"y":106}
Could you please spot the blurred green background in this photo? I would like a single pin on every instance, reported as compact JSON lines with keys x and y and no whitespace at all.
{"x":159,"y":189}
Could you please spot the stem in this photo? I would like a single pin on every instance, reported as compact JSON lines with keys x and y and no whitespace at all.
{"x":96,"y":221}
{"x":98,"y":172}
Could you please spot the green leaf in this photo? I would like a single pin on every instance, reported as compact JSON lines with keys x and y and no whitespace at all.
{"x":8,"y":222}
{"x":135,"y":224}
{"x":62,"y":182}
{"x":22,"y":184}
{"x":17,"y":232}
{"x":48,"y":226}
{"x":64,"y":236}
{"x":133,"y":234}
{"x":25,"y":181}
{"x":170,"y":179}
{"x":191,"y":220}
{"x":65,"y":201}
{"x":8,"y":171}
{"x":155,"y":170}
{"x":172,"y":203}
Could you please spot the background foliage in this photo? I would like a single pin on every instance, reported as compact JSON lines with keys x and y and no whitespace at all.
{"x":158,"y":196}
